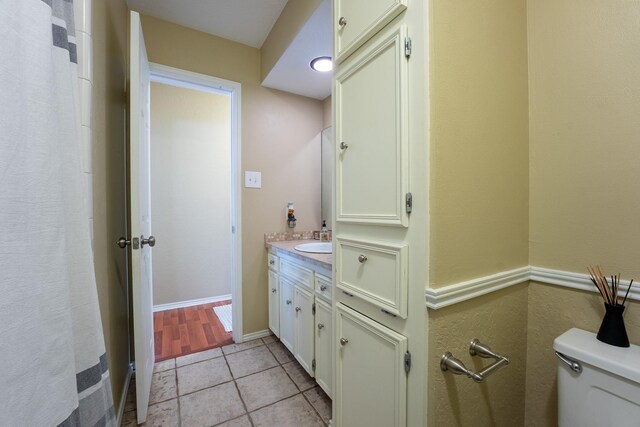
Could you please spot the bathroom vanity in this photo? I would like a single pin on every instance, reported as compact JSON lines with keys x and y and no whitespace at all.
{"x":300,"y":307}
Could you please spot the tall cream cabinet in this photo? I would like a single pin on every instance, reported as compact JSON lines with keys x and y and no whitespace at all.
{"x":379,"y":99}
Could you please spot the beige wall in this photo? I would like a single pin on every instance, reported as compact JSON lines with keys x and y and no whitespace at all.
{"x":280,"y":138}
{"x":293,"y":17}
{"x":499,"y":320}
{"x":110,"y":57}
{"x":479,"y":152}
{"x":585,"y":95}
{"x":190,"y":193}
{"x":478,"y":203}
{"x":327,"y":112}
{"x":585,"y":98}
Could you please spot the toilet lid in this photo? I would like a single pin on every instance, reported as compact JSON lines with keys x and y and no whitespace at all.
{"x":584,"y":347}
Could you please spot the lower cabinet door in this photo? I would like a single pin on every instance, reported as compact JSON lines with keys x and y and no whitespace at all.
{"x":274,"y":303}
{"x":324,"y":347}
{"x":303,"y":341}
{"x":371,"y":384}
{"x":286,"y":313}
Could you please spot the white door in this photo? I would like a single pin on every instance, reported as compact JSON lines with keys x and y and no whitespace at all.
{"x":324,"y":347}
{"x":139,"y":211}
{"x":274,"y":303}
{"x":303,"y":329}
{"x":286,"y":313}
{"x":371,"y":381}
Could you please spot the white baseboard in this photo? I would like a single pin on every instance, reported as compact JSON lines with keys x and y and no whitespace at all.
{"x":183,"y":304}
{"x":123,"y":398}
{"x":447,"y":295}
{"x":256,"y":335}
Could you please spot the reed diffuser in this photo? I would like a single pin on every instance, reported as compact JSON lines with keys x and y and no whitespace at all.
{"x":612,"y":330}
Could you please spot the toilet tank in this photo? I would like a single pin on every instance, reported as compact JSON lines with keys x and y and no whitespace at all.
{"x":606,"y":392}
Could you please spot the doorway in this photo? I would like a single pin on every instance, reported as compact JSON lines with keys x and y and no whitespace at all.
{"x":195,"y":207}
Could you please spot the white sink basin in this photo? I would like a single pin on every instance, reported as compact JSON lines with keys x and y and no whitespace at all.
{"x":315,"y":248}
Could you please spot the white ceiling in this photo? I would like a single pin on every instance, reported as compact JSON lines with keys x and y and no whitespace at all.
{"x":244,"y":21}
{"x":292,"y":72}
{"x":249,"y":22}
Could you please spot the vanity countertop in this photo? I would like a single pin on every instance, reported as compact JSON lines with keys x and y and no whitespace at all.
{"x":287,"y":248}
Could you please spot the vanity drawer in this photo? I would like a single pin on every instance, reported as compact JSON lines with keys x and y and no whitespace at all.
{"x":323,"y":286}
{"x":273,"y":262}
{"x":375,"y":272}
{"x":301,"y":275}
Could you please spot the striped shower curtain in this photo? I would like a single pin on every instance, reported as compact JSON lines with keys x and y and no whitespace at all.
{"x":53,"y":368}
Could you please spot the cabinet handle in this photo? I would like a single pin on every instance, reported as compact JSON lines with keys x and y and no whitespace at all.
{"x":298,"y":309}
{"x":343,"y":341}
{"x":323,"y":288}
{"x":320,"y":325}
{"x":342,"y":22}
{"x":273,"y":290}
{"x":362,"y":258}
{"x":344,"y":145}
{"x":288,"y":301}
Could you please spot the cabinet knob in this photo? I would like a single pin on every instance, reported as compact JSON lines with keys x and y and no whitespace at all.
{"x":344,"y":145}
{"x":362,"y":258}
{"x":343,"y":341}
{"x":288,"y":301}
{"x":298,"y":309}
{"x":342,"y":22}
{"x":273,"y":290}
{"x":320,"y":325}
{"x":271,"y":262}
{"x":323,"y":288}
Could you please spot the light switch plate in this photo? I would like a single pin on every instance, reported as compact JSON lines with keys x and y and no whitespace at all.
{"x":252,"y":179}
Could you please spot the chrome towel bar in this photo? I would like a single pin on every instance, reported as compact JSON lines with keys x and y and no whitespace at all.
{"x":476,"y":348}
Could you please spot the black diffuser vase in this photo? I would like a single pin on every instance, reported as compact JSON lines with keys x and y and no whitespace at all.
{"x":612,"y":330}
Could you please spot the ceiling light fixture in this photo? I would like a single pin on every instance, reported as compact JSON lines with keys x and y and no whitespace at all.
{"x":322,"y":64}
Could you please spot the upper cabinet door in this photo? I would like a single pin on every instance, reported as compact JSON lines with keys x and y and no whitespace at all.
{"x":355,"y":21}
{"x":371,"y":133}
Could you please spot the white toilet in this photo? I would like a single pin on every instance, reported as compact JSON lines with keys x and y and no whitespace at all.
{"x":598,"y":384}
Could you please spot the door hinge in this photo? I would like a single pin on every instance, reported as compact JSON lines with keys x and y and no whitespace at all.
{"x":408,"y":201}
{"x":407,"y":47}
{"x":313,"y":364}
{"x":407,"y":362}
{"x":313,"y":308}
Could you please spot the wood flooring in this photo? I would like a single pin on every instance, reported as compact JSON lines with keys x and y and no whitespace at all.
{"x":188,"y":330}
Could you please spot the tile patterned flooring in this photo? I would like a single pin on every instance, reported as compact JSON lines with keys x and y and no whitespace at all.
{"x":254,"y":384}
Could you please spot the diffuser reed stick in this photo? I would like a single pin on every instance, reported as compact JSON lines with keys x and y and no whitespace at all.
{"x":608,"y":291}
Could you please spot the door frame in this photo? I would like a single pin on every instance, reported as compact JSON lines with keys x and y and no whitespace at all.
{"x":188,"y":79}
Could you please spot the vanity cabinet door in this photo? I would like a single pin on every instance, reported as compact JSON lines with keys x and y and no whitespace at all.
{"x":286,"y":313}
{"x":371,"y":383}
{"x":371,"y":133}
{"x":304,"y":346}
{"x":324,"y":347}
{"x":274,"y":303}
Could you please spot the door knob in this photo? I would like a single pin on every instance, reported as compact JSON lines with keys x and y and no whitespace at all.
{"x":122,"y":242}
{"x":151,"y":241}
{"x":343,"y":341}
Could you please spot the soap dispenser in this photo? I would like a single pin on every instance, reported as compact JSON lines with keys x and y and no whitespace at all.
{"x":324,"y":233}
{"x":291,"y":217}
